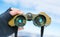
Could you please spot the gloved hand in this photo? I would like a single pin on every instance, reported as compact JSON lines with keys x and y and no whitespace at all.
{"x":15,"y":11}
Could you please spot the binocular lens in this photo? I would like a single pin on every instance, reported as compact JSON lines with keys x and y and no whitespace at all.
{"x":40,"y":20}
{"x":20,"y":21}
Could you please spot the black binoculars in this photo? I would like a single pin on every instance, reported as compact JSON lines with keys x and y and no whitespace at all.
{"x":41,"y":19}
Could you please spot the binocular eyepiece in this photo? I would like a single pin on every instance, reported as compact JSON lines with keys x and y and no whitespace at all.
{"x":20,"y":20}
{"x":40,"y":19}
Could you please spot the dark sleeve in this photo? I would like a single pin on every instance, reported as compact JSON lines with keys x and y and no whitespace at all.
{"x":6,"y":16}
{"x":5,"y":29}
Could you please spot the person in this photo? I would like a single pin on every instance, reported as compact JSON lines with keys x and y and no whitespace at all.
{"x":5,"y":29}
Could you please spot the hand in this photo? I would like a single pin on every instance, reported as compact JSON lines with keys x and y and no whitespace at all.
{"x":15,"y":12}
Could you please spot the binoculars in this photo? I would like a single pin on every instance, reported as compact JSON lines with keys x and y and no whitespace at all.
{"x":41,"y":19}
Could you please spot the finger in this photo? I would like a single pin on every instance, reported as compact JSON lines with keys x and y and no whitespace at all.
{"x":20,"y":12}
{"x":20,"y":28}
{"x":14,"y":9}
{"x":17,"y":11}
{"x":13,"y":13}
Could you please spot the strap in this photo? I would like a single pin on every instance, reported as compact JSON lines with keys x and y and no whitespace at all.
{"x":42,"y":31}
{"x":16,"y":31}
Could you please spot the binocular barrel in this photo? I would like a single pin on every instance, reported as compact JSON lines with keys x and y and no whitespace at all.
{"x":40,"y":19}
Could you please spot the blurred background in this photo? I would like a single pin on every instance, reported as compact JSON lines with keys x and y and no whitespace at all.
{"x":50,"y":7}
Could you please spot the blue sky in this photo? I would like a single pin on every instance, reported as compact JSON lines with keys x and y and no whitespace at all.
{"x":50,"y":7}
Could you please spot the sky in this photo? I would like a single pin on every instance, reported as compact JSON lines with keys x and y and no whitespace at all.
{"x":50,"y":7}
